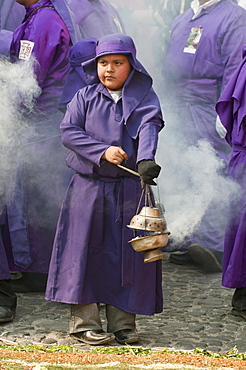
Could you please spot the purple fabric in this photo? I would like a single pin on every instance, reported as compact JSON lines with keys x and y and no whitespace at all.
{"x":92,"y":260}
{"x":193,"y":83}
{"x":5,"y":41}
{"x":12,"y":14}
{"x":98,"y":18}
{"x":89,"y":18}
{"x":231,"y":108}
{"x":82,"y":51}
{"x":52,"y":56}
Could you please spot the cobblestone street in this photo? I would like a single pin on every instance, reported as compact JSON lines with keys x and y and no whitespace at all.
{"x":196,"y":315}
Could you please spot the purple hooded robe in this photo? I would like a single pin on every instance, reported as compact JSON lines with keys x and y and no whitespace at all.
{"x":193,"y":80}
{"x":92,"y":260}
{"x":80,"y":52}
{"x":231,"y":108}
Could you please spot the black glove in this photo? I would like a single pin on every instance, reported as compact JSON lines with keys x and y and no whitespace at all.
{"x":148,"y":170}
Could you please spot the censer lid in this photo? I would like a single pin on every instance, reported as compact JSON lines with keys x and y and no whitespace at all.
{"x":149,"y":220}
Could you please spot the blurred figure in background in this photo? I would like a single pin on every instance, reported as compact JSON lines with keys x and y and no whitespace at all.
{"x":231,"y":108}
{"x":204,"y":51}
{"x":80,"y":52}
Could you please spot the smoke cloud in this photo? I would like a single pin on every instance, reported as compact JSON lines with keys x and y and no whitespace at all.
{"x":192,"y":179}
{"x":18,"y":90}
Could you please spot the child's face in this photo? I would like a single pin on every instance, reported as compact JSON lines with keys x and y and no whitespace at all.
{"x":113,"y":70}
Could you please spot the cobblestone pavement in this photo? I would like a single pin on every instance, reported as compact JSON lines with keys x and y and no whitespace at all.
{"x":196,"y":315}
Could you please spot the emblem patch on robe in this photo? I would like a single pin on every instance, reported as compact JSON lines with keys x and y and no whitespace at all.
{"x":25,"y":49}
{"x":193,"y":40}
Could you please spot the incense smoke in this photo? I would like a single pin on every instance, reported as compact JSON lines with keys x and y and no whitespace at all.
{"x":18,"y":89}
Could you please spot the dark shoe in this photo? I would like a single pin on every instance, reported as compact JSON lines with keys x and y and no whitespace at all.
{"x":181,"y":258}
{"x":126,"y":336}
{"x":240,"y":313}
{"x":30,"y":282}
{"x":6,"y":314}
{"x":209,"y":259}
{"x":94,"y":337}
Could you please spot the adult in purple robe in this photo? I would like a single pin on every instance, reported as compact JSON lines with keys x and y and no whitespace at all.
{"x":80,"y":52}
{"x":203,"y":53}
{"x":40,"y":177}
{"x":231,"y":108}
{"x":92,"y":261}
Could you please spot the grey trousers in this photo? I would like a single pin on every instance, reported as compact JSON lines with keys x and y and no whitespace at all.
{"x":87,"y":317}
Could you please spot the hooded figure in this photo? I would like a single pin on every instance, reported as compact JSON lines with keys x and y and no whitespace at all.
{"x":82,"y":51}
{"x":92,"y":261}
{"x":231,"y":108}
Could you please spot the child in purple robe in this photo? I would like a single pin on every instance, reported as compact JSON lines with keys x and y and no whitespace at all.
{"x":116,"y":119}
{"x":231,"y":108}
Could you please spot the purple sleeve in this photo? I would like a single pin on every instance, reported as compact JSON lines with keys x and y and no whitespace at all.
{"x":148,"y":138}
{"x":48,"y":32}
{"x":231,"y":47}
{"x":75,"y":137}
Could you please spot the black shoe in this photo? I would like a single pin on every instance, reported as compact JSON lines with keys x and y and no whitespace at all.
{"x":240,"y":313}
{"x":30,"y":282}
{"x":6,"y":314}
{"x":126,"y":336}
{"x":94,"y":337}
{"x":209,"y":259}
{"x":181,"y":258}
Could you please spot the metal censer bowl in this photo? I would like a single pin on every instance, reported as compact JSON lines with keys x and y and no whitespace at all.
{"x":155,"y":227}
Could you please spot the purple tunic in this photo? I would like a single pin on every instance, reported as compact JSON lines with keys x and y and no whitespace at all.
{"x":231,"y":108}
{"x":92,"y":260}
{"x":194,"y":75}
